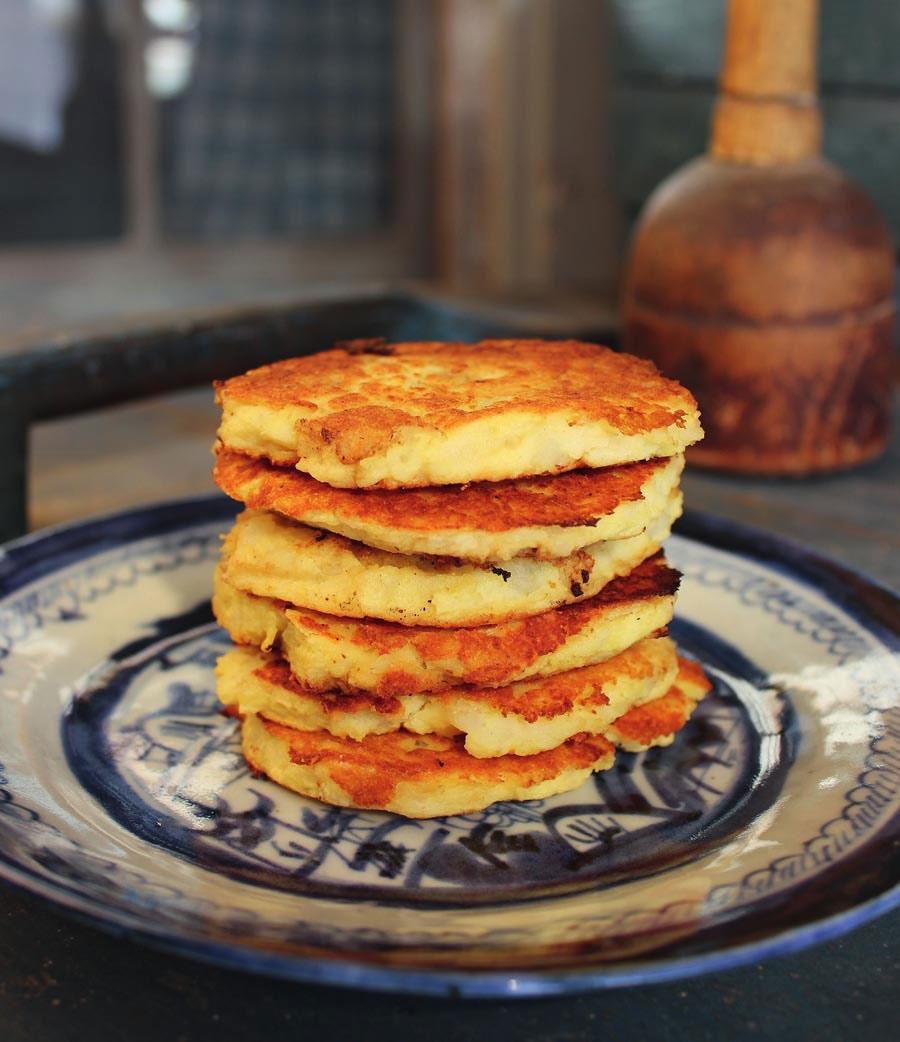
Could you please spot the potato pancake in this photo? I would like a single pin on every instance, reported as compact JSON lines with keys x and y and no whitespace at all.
{"x":417,"y":776}
{"x":485,"y":521}
{"x":371,"y":414}
{"x":427,"y":776}
{"x":327,"y":653}
{"x":270,"y":556}
{"x":658,"y":721}
{"x":523,"y":718}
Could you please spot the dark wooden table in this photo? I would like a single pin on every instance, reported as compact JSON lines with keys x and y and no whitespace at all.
{"x":60,"y":980}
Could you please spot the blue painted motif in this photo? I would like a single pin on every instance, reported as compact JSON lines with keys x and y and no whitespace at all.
{"x":145,"y":739}
{"x":37,"y":853}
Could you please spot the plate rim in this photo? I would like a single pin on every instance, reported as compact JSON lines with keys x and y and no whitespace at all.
{"x":353,"y":973}
{"x":866,"y":599}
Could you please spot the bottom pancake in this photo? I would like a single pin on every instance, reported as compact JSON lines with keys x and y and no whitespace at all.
{"x":417,"y":776}
{"x":428,"y":776}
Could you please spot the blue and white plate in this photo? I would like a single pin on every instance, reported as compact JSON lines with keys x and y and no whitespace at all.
{"x":772,"y":822}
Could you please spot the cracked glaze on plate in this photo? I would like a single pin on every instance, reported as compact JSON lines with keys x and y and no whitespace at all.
{"x":770,"y":823}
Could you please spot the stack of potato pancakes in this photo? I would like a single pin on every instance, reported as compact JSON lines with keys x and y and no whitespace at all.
{"x":447,"y":586}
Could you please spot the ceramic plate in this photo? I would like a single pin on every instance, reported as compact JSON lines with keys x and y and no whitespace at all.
{"x":770,"y":823}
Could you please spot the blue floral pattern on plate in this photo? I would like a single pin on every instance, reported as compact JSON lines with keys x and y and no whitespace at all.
{"x":124,"y":798}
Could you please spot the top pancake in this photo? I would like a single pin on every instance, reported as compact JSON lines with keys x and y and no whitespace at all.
{"x":370,"y":414}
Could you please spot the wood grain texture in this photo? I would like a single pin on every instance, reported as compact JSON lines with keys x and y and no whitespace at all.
{"x":792,"y":243}
{"x":850,"y":516}
{"x":791,"y":398}
{"x":763,"y":131}
{"x":126,"y":456}
{"x":760,"y":276}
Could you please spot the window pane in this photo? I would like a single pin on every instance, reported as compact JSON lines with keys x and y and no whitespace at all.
{"x":286,"y":125}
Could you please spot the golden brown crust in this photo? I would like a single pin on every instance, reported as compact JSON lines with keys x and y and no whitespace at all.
{"x":691,"y":675}
{"x":486,"y":652}
{"x":661,"y":717}
{"x":371,"y":770}
{"x":276,"y":671}
{"x":648,"y":724}
{"x":544,"y":698}
{"x":329,"y":653}
{"x":578,"y":497}
{"x":426,"y":775}
{"x":274,"y":557}
{"x":354,"y":402}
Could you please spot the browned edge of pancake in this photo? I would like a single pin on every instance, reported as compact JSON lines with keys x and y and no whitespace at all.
{"x":539,"y":634}
{"x":489,"y":654}
{"x":546,"y":698}
{"x":370,"y":771}
{"x":667,"y":714}
{"x":574,"y":498}
{"x":363,"y":406}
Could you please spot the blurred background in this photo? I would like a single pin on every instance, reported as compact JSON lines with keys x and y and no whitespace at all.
{"x":170,"y":155}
